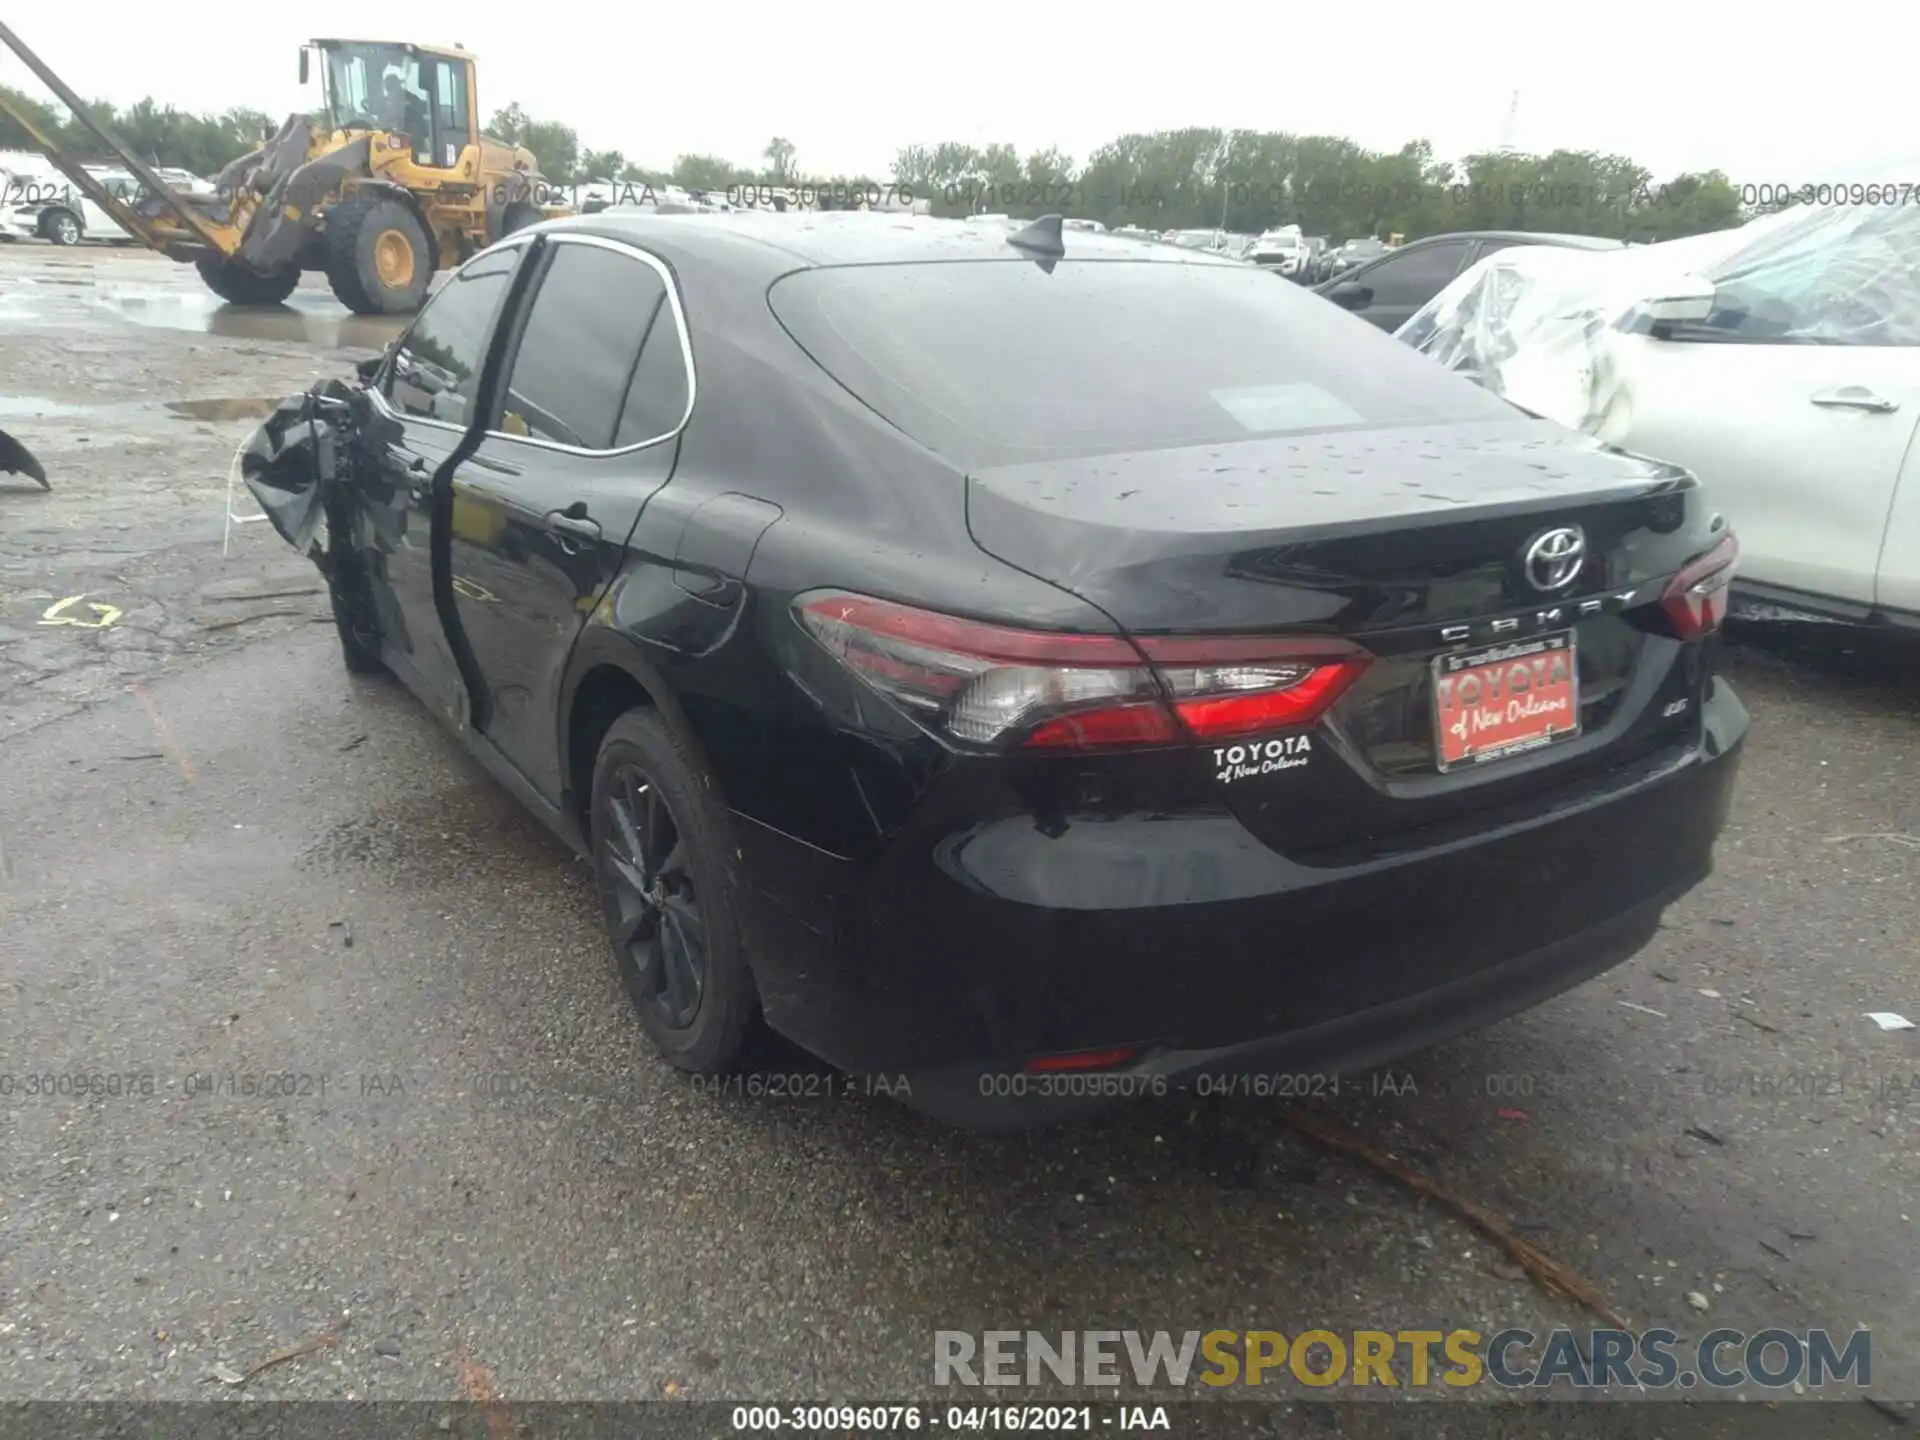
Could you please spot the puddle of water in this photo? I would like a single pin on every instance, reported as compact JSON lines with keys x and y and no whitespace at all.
{"x":235,"y":407}
{"x":31,"y":407}
{"x":310,"y":319}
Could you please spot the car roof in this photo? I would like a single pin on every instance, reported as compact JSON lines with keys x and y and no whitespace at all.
{"x":855,"y":237}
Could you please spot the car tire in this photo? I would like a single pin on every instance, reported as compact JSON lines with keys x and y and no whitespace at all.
{"x":667,"y":871}
{"x":62,"y":227}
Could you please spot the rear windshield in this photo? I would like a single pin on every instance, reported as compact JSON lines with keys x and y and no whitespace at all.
{"x":1000,"y":363}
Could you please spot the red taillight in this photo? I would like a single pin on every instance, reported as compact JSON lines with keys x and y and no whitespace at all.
{"x":1144,"y":724}
{"x":1696,"y":599}
{"x":986,"y":684}
{"x":1085,"y":1059}
{"x":1252,"y":685}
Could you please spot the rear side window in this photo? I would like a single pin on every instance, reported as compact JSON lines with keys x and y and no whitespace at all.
{"x":658,"y":398}
{"x":1417,"y":276}
{"x":435,"y":372}
{"x":1000,"y":363}
{"x":576,"y":359}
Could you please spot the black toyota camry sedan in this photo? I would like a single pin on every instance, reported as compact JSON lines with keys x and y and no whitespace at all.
{"x":1033,"y":664}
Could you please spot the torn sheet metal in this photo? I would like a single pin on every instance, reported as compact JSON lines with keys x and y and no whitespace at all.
{"x":296,"y":454}
{"x":313,"y":467}
{"x":1541,"y":325}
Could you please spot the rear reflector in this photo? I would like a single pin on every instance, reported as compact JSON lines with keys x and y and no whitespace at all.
{"x":994,"y":685}
{"x":1695,"y":600}
{"x":1085,"y":1059}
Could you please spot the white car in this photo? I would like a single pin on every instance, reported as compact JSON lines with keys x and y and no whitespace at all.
{"x":1284,"y":250}
{"x":1780,"y":362}
{"x":47,"y":205}
{"x":1214,"y":240}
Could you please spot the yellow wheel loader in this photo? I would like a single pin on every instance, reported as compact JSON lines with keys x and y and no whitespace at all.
{"x":388,"y":182}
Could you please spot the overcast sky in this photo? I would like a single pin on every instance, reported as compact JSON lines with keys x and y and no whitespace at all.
{"x":1760,"y":94}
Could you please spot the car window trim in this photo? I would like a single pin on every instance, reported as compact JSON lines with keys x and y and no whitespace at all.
{"x":632,"y":252}
{"x":386,"y":366}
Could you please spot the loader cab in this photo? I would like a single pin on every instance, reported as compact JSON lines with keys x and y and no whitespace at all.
{"x":425,"y":94}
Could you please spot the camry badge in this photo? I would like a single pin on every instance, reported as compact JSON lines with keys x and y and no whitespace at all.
{"x":1554,"y":557}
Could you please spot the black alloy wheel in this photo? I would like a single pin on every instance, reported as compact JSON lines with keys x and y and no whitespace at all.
{"x":668,"y":869}
{"x":659,"y":929}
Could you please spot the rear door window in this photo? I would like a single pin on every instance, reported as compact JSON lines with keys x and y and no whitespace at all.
{"x":1000,"y":362}
{"x":1417,"y":276}
{"x":582,"y":344}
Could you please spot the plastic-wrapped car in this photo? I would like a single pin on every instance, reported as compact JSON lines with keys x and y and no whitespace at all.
{"x":1779,"y":361}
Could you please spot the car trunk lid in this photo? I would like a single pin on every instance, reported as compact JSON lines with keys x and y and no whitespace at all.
{"x":1412,"y":543}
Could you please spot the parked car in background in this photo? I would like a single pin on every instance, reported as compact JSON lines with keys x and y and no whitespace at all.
{"x":1352,"y":253}
{"x":49,"y":206}
{"x":1318,"y":252}
{"x":639,"y":195}
{"x":1214,"y":241}
{"x":936,"y":655}
{"x":1388,"y":289}
{"x":28,"y":184}
{"x":1283,"y":250}
{"x":1779,"y":361}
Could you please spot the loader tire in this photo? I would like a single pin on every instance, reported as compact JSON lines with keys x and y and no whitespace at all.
{"x":518,"y":216}
{"x":236,"y":284}
{"x":378,"y":259}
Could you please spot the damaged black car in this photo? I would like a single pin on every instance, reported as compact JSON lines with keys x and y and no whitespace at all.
{"x":1041,"y":665}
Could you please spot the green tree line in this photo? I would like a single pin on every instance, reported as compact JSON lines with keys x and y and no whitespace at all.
{"x":1248,"y":181}
{"x":158,"y":134}
{"x":1239,"y":180}
{"x":1244,"y":181}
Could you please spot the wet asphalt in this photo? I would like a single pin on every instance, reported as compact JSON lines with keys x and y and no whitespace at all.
{"x":353,"y":1051}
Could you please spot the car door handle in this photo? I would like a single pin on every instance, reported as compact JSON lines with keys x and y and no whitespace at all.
{"x":1854,"y":397}
{"x":575,"y":522}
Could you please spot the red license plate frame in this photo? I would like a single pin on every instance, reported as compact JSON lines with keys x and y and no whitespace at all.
{"x":1524,"y":697}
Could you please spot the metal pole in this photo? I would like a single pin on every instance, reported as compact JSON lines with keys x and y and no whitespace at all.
{"x":1225,"y":190}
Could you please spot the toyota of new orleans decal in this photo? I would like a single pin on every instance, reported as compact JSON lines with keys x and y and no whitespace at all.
{"x":1260,"y":757}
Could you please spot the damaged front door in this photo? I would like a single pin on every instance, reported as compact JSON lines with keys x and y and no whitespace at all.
{"x":425,"y":397}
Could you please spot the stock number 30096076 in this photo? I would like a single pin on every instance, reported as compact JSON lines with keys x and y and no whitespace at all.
{"x":1076,"y":1419}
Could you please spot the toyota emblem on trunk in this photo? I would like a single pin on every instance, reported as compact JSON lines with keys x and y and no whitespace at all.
{"x":1555,"y":557}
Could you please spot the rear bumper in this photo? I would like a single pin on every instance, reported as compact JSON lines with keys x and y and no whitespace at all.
{"x":956,"y":959}
{"x":1302,"y":1063}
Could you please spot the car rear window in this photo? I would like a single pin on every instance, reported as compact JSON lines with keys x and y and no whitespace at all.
{"x":1001,"y":363}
